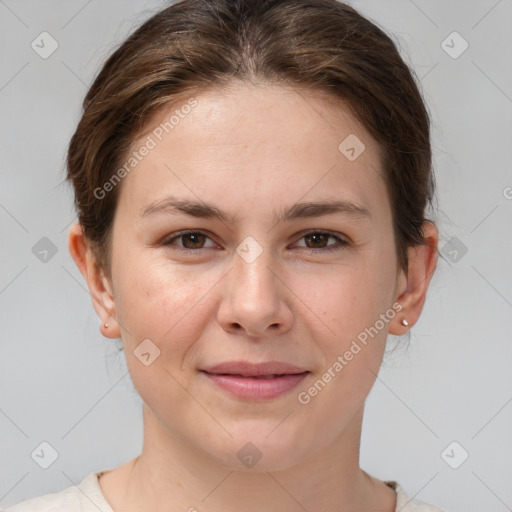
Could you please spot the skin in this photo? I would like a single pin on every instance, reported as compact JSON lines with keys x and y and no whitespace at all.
{"x":252,"y":150}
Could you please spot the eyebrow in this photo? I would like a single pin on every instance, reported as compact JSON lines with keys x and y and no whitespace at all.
{"x":173,"y":205}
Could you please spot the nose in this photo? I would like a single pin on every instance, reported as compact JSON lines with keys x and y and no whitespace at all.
{"x":255,"y":298}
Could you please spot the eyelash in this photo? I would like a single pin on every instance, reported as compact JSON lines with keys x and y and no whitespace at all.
{"x":342,"y":244}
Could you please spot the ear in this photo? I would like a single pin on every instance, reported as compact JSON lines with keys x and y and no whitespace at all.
{"x":100,"y":286}
{"x":412,"y":286}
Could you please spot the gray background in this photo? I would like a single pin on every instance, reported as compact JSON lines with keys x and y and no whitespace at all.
{"x":63,"y":383}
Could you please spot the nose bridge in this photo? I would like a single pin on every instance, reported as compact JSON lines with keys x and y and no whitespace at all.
{"x":253,"y":299}
{"x":252,"y":274}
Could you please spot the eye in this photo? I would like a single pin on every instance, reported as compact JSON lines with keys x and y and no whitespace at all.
{"x":319,"y":240}
{"x":193,"y":240}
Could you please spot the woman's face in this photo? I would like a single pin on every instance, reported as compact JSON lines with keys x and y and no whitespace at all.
{"x":248,"y":283}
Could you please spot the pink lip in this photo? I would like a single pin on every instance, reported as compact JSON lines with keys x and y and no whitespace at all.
{"x":254,"y":388}
{"x":244,"y":379}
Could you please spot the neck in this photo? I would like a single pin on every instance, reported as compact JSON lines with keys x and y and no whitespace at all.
{"x":172,"y":475}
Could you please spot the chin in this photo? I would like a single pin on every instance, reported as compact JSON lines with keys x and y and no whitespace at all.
{"x":255,"y":450}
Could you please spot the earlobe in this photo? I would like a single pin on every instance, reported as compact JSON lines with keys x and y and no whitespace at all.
{"x":99,"y":285}
{"x":413,"y":289}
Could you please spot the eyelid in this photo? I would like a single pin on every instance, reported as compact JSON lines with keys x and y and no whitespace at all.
{"x":342,"y":242}
{"x":167,"y":240}
{"x":341,"y":238}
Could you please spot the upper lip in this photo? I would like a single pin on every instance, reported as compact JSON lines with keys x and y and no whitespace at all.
{"x":247,"y":369}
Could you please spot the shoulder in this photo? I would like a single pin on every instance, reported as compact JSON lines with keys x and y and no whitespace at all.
{"x":406,"y":504}
{"x":85,"y":497}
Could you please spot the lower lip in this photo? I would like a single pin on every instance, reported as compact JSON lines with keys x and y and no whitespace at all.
{"x":257,"y":389}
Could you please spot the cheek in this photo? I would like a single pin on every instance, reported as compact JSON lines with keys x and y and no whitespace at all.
{"x":346,"y":299}
{"x":352,"y":337}
{"x":156,"y":300}
{"x":164,"y":306}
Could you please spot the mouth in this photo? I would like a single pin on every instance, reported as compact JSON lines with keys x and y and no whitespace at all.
{"x":255,"y":381}
{"x":254,"y":377}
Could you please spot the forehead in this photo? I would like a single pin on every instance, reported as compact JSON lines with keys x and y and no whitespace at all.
{"x":263,"y":142}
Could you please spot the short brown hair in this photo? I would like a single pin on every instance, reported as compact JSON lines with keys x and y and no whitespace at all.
{"x":194,"y":45}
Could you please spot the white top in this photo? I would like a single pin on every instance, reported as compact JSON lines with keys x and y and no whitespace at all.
{"x":88,"y":497}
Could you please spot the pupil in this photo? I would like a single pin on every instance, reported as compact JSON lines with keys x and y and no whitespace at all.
{"x":194,"y":238}
{"x":316,"y":236}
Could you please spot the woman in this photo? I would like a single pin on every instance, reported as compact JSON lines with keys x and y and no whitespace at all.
{"x":251,"y":180}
